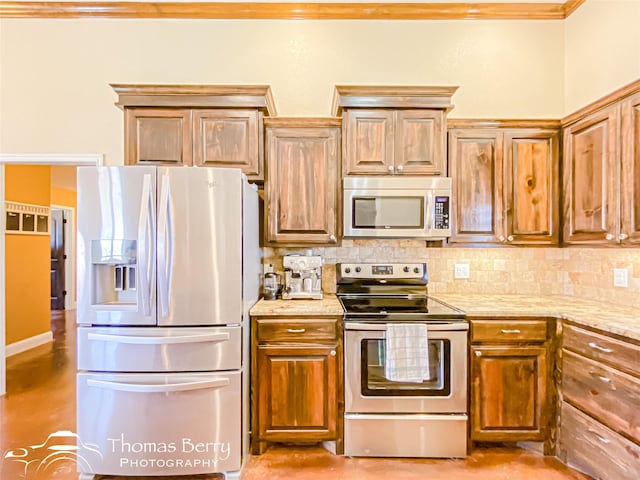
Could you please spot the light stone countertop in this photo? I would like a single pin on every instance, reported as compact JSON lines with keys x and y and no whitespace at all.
{"x":329,"y":305}
{"x":617,"y":319}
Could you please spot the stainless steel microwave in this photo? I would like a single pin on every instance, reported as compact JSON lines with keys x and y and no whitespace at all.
{"x":397,"y":207}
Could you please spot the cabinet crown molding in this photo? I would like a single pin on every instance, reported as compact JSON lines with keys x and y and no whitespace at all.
{"x":406,"y":96}
{"x":204,"y":96}
{"x":303,"y":122}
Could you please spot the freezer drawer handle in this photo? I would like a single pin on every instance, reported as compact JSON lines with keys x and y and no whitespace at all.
{"x":211,"y":337}
{"x":158,"y":388}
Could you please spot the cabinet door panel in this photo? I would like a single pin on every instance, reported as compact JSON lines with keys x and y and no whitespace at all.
{"x":630,"y":171}
{"x":228,"y":138}
{"x":302,"y":185}
{"x":419,"y":142}
{"x":590,"y":179}
{"x":369,"y":142}
{"x":475,"y":162}
{"x":532,"y":183}
{"x":509,"y":388}
{"x":157,"y":136}
{"x":297,"y":393}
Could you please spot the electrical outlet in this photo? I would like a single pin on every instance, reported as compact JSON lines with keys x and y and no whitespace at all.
{"x":620,"y":277}
{"x":461,"y":270}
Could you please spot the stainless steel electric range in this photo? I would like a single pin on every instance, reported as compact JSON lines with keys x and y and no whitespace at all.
{"x":391,"y":418}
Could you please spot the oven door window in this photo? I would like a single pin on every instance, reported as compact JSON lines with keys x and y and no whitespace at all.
{"x":388,"y":212}
{"x":375,"y":384}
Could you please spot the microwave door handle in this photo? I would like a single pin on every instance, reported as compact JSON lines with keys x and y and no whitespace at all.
{"x":430,"y":209}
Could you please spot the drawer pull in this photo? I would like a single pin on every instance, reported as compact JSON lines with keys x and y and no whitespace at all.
{"x":296,"y":330}
{"x":595,"y":346}
{"x":599,"y":437}
{"x":602,"y":378}
{"x":506,"y":330}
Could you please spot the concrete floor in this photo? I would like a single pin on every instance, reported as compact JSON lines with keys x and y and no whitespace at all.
{"x":40,"y":400}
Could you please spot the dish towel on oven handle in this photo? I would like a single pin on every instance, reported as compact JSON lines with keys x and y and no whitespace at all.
{"x":407,"y":352}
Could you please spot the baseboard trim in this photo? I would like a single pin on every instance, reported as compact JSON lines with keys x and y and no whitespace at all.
{"x":28,"y":343}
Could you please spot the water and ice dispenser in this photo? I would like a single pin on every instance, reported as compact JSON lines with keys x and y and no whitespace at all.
{"x":113,"y":271}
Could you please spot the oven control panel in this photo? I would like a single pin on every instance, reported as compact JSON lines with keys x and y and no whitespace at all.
{"x":383,"y":270}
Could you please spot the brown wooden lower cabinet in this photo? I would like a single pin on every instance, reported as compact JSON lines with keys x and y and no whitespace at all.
{"x":511,"y":394}
{"x":589,"y":446}
{"x":600,"y":413}
{"x":296,"y":381}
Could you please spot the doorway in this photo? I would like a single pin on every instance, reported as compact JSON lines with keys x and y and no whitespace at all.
{"x":63,"y":284}
{"x":27,"y":159}
{"x":58,"y":258}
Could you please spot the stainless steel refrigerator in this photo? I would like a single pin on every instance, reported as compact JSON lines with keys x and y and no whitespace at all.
{"x":168,"y":267}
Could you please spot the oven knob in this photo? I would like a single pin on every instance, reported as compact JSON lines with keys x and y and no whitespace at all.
{"x":347,"y":270}
{"x":358,"y":269}
{"x":416,"y":270}
{"x":405,"y":269}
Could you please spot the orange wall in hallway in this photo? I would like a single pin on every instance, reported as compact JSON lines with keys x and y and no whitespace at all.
{"x":63,"y":197}
{"x":27,"y":258}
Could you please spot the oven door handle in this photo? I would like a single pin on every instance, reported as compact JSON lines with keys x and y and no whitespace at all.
{"x":382,"y":326}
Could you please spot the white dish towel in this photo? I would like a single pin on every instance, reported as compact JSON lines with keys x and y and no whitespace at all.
{"x":407,"y":352}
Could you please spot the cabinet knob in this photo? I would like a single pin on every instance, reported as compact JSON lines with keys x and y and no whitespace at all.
{"x":400,"y":168}
{"x":332,"y":353}
{"x":501,"y":238}
{"x":510,"y":238}
{"x":623,"y":236}
{"x":390,"y":168}
{"x":609,"y":236}
{"x":478,"y":354}
{"x":332,"y":238}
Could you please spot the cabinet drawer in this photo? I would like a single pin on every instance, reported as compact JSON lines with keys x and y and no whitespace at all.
{"x":508,"y":330}
{"x":607,"y":394}
{"x":302,"y":330}
{"x":592,"y":448}
{"x":617,"y":353}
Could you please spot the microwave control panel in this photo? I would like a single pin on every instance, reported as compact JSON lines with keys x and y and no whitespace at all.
{"x":441,"y":217}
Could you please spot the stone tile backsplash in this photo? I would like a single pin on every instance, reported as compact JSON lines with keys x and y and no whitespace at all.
{"x":581,"y":272}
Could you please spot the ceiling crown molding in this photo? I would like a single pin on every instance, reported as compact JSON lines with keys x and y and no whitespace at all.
{"x":291,"y":11}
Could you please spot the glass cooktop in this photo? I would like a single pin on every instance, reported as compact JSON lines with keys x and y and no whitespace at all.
{"x":398,"y":308}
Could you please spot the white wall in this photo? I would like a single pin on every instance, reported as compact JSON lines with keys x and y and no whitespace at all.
{"x":55,"y":74}
{"x":602,"y":50}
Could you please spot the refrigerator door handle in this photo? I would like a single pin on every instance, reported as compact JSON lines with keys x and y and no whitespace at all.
{"x":165,"y":245}
{"x":142,"y":340}
{"x":158,"y":388}
{"x":146,"y":230}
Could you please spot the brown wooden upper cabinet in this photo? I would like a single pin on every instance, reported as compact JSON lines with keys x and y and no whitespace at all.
{"x":393,"y":130}
{"x":505,"y":181}
{"x":302,"y":186}
{"x":601,"y":164}
{"x":203,"y":125}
